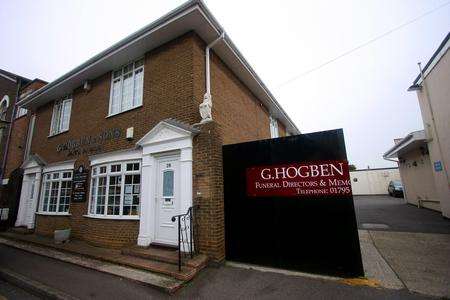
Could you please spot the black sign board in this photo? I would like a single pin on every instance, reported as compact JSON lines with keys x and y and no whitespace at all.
{"x":298,"y":215}
{"x":79,"y":184}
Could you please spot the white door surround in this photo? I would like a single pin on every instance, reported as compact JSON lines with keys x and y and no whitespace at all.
{"x":164,"y":141}
{"x":29,"y":194}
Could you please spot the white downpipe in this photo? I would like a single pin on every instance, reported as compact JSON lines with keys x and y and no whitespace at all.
{"x":207,"y":66}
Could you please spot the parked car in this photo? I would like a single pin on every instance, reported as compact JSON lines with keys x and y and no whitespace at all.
{"x":395,"y":188}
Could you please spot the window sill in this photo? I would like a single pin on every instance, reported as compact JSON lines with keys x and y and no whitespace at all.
{"x":118,"y":218}
{"x":52,"y":135}
{"x":42,"y":213}
{"x":130,"y":109}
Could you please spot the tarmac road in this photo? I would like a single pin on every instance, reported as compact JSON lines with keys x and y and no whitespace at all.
{"x":213,"y":283}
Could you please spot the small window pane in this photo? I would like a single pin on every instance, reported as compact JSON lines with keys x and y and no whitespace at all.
{"x":139,"y":63}
{"x":55,"y":175}
{"x":102,"y":170}
{"x":168,"y":183}
{"x":115,"y":168}
{"x":117,"y":73}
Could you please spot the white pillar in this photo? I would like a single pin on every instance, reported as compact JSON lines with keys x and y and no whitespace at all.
{"x":146,"y":215}
{"x":186,"y":179}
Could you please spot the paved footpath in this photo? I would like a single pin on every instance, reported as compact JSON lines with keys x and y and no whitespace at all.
{"x":213,"y":283}
{"x":413,"y":242}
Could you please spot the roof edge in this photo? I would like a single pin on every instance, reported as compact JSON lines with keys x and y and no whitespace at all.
{"x":433,"y":58}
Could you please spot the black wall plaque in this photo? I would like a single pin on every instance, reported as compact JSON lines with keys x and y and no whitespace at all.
{"x":79,"y":184}
{"x":314,"y":233}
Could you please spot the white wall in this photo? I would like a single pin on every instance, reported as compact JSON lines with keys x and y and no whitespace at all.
{"x":373,"y":181}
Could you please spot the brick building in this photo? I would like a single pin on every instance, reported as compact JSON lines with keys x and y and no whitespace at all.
{"x":13,"y":133}
{"x":147,"y":118}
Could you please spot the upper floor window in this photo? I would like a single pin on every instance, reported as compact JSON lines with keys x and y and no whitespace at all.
{"x":56,"y":191}
{"x":273,"y":128}
{"x":21,"y":112}
{"x":126,"y":87}
{"x":61,"y":115}
{"x":4,"y":104}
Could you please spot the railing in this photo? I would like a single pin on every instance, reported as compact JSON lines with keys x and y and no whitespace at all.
{"x":186,"y":234}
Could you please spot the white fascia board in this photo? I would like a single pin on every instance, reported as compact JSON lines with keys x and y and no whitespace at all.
{"x":59,"y":166}
{"x":189,"y":18}
{"x":435,"y":61}
{"x":417,"y":136}
{"x":121,"y":155}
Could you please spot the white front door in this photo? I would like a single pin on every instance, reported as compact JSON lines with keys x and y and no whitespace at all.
{"x":32,"y":198}
{"x":167,"y":199}
{"x":28,"y":201}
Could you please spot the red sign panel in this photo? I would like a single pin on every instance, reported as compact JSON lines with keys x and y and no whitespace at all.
{"x":310,"y":179}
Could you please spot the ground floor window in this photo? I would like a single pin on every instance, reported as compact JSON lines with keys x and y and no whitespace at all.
{"x":115,"y":189}
{"x":56,"y":191}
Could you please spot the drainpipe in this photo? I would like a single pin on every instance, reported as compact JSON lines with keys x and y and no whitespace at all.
{"x":207,"y":67}
{"x":11,"y":124}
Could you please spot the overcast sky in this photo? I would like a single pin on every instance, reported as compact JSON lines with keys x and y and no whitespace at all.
{"x":364,"y":92}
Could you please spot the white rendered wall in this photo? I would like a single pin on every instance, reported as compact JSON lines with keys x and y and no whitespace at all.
{"x":373,"y":181}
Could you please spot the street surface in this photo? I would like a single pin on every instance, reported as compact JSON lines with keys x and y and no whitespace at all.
{"x":415,"y":244}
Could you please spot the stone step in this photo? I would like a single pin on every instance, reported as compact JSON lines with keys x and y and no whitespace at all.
{"x":186,"y":273}
{"x":21,"y":230}
{"x":167,"y":255}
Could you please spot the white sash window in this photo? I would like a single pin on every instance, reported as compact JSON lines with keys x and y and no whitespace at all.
{"x":127,"y":87}
{"x":61,"y":115}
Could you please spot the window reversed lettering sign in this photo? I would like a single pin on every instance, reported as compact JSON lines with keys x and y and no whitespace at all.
{"x":323,"y":178}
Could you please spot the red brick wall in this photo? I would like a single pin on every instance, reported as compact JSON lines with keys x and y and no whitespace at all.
{"x":239,"y":113}
{"x":109,"y":233}
{"x":168,"y":93}
{"x":46,"y":225}
{"x":173,"y":88}
{"x":19,"y":133}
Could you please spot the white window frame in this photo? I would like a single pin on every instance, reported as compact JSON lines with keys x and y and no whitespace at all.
{"x":4,"y":111}
{"x":93,"y":190}
{"x":57,"y":126}
{"x":21,"y":112}
{"x":136,"y":102}
{"x":274,"y":132}
{"x":49,"y":177}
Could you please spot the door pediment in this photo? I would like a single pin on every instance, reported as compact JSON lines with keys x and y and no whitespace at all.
{"x":166,"y":131}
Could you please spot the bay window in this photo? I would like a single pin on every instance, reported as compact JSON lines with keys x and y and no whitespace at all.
{"x":56,"y":192}
{"x":115,"y":190}
{"x":127,"y":87}
{"x":61,"y":115}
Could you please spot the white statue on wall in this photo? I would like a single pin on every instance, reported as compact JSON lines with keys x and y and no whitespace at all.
{"x":205,"y":108}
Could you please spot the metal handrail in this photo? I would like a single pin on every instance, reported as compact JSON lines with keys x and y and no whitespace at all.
{"x":185,"y":234}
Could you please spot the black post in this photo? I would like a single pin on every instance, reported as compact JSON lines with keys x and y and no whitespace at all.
{"x":179,"y":245}
{"x":191,"y":242}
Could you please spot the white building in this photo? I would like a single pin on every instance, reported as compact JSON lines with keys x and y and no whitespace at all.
{"x":373,"y":181}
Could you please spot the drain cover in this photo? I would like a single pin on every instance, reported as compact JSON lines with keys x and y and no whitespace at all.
{"x":375,"y":226}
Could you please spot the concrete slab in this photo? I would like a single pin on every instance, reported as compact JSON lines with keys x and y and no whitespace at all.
{"x":375,"y":267}
{"x":421,"y":260}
